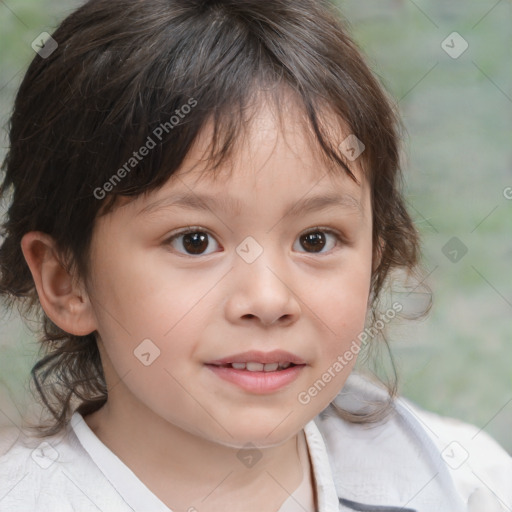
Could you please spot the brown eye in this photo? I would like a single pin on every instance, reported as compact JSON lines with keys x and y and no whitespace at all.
{"x":195,"y":243}
{"x":192,"y":242}
{"x":314,"y":241}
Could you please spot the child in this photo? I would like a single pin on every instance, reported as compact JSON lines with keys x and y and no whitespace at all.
{"x":205,"y":210}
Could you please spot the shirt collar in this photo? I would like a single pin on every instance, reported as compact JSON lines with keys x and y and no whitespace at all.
{"x":130,"y":488}
{"x":136,"y":494}
{"x":327,"y":497}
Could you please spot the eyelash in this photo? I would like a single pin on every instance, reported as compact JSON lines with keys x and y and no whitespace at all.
{"x":195,"y":229}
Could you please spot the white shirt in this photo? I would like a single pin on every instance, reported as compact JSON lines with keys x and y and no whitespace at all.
{"x":413,"y":461}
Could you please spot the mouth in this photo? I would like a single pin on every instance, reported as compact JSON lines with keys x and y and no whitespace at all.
{"x":259,"y":372}
{"x":257,"y":361}
{"x":253,"y":366}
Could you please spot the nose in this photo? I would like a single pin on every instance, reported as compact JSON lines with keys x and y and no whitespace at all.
{"x":263,"y":292}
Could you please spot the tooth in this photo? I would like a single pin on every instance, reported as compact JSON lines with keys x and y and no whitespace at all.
{"x":284,"y":365}
{"x":270,"y":367}
{"x":238,"y":366}
{"x":254,"y":367}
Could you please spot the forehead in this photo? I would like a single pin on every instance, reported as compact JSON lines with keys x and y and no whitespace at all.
{"x":276,"y":153}
{"x":278,"y":120}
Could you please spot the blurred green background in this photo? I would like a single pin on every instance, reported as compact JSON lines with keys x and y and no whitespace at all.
{"x":458,"y":164}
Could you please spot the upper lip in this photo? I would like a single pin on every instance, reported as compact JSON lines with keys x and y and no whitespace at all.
{"x":256,"y":356}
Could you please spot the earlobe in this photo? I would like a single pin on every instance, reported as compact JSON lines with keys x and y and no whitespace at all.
{"x":64,"y":300}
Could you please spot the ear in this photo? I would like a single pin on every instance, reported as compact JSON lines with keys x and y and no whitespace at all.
{"x":63,"y":299}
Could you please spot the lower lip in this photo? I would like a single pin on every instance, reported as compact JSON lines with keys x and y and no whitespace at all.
{"x":257,"y":382}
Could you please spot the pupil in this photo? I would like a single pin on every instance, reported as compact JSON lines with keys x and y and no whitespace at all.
{"x":195,"y":240}
{"x":316,"y":240}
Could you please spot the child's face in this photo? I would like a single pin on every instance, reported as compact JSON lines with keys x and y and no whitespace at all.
{"x":250,"y":281}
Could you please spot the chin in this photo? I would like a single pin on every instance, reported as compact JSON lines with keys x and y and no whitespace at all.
{"x":254,"y":441}
{"x":264,"y":433}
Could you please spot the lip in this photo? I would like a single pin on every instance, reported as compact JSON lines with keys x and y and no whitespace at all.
{"x":257,"y":356}
{"x":259,"y":383}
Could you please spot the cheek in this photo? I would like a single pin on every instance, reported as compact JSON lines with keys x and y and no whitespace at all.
{"x":145,"y":295}
{"x":340,"y":305}
{"x":149,"y":332}
{"x":141,"y":298}
{"x":343,"y":299}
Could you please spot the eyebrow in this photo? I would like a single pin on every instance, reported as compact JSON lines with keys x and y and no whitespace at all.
{"x":233,"y":207}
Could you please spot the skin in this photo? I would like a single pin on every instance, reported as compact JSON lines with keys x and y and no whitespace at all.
{"x":175,"y":420}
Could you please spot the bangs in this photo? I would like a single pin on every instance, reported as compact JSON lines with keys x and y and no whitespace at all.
{"x":227,"y":131}
{"x":175,"y":97}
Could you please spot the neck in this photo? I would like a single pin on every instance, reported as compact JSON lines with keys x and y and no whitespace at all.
{"x":206,"y":475}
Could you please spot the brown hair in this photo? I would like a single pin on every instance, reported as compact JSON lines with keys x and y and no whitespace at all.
{"x":122,"y":69}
